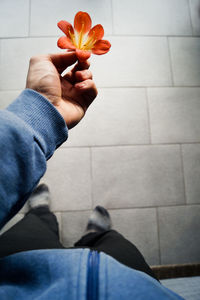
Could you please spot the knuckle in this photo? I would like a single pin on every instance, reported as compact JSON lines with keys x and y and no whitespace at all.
{"x":33,"y":59}
{"x":87,"y":74}
{"x":36,"y":58}
{"x":87,"y":64}
{"x":93,"y":88}
{"x":84,"y":74}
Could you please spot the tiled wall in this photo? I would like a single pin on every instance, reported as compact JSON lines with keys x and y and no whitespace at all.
{"x":137,"y":152}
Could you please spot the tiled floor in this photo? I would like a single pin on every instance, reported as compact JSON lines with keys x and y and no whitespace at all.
{"x":137,"y":151}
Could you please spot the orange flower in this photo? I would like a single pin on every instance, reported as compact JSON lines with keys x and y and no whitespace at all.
{"x":82,"y":38}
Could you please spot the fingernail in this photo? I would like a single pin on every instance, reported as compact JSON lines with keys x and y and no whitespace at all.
{"x":81,"y":85}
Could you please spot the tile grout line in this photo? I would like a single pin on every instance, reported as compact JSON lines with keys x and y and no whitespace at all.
{"x":148,"y":116}
{"x":111,"y":35}
{"x":170,"y":61}
{"x":158,"y":233}
{"x":190,"y":16}
{"x":107,"y":36}
{"x":129,"y":145}
{"x":29,"y":19}
{"x":132,"y":208}
{"x":155,"y":35}
{"x":183,"y":171}
{"x":112,"y":16}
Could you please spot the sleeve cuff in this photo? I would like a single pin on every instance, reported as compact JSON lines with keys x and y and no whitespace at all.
{"x":47,"y":124}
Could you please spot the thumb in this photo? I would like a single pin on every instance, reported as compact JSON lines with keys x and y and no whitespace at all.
{"x":63,"y":60}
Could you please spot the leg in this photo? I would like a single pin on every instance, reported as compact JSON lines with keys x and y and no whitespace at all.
{"x":37,"y":230}
{"x":114,"y":244}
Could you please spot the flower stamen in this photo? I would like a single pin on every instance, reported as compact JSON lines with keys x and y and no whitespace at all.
{"x":80,"y":38}
{"x":90,"y":42}
{"x":72,"y":36}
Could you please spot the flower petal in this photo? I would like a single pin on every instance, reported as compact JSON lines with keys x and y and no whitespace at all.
{"x":66,"y":27}
{"x":101,"y":47}
{"x":82,"y":22}
{"x":82,"y":55}
{"x":65,"y":43}
{"x":96,"y":32}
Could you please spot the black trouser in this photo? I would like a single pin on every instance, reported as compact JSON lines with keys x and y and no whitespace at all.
{"x":39,"y":230}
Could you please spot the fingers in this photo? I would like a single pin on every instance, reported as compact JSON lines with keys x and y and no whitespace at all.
{"x":63,"y":60}
{"x":88,"y":91}
{"x":84,"y":65}
{"x":87,"y":87}
{"x":78,"y":72}
{"x":78,"y":67}
{"x":83,"y":75}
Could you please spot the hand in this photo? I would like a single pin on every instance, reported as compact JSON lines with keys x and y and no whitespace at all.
{"x":72,"y":93}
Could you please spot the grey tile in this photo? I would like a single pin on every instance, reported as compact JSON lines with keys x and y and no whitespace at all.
{"x":191,"y":161}
{"x":185,"y":60}
{"x":154,"y":17}
{"x":137,"y":176}
{"x":14,"y":59}
{"x":68,"y":176}
{"x":24,"y":209}
{"x":73,"y":226}
{"x":12,"y":222}
{"x":44,"y":20}
{"x":109,"y":117}
{"x":195,"y":15}
{"x":147,"y":63}
{"x":140,"y":227}
{"x":7,"y":97}
{"x":179,"y":234}
{"x":174,"y":114}
{"x":14,"y":18}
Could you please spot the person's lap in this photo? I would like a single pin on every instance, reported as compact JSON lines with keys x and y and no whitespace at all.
{"x":39,"y":230}
{"x":31,"y":233}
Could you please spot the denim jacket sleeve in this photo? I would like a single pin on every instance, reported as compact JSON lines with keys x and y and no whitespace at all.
{"x":31,"y":129}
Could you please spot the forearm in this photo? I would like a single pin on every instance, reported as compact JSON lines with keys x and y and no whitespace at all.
{"x":30,"y":131}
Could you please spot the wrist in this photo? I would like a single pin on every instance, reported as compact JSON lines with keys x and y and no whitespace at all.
{"x":47,"y":125}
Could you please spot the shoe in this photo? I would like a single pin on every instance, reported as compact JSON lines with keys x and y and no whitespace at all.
{"x":39,"y":197}
{"x":99,"y":220}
